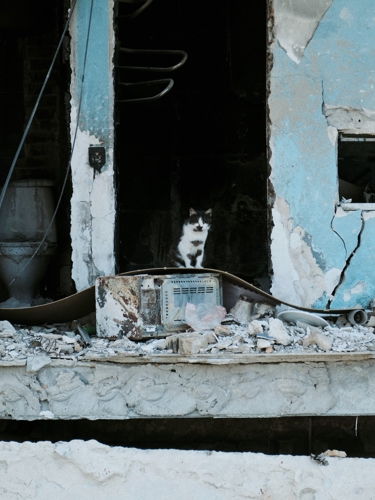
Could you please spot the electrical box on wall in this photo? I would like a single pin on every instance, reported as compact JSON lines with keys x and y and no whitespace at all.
{"x":97,"y":157}
{"x":146,"y":306}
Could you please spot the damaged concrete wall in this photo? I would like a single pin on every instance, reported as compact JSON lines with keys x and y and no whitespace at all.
{"x":143,"y":386}
{"x":79,"y":469}
{"x":92,"y":105}
{"x":321,"y":83}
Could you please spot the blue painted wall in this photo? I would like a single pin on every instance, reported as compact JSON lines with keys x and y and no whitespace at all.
{"x":337,"y":69}
{"x":93,"y":54}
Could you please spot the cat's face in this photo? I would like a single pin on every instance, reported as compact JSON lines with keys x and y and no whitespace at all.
{"x":201,"y":221}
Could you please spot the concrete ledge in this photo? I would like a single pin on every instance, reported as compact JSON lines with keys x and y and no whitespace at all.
{"x":321,"y":384}
{"x":79,"y":469}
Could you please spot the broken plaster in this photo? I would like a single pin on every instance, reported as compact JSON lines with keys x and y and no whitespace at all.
{"x":358,"y":284}
{"x":348,"y":236}
{"x":296,"y":23}
{"x":348,"y":119}
{"x":300,"y":279}
{"x":92,"y":217}
{"x":93,"y":201}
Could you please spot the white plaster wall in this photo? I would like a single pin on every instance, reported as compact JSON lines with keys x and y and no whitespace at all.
{"x":89,"y":470}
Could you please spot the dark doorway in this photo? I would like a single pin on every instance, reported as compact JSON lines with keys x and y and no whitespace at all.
{"x":29,"y":36}
{"x":203,"y":143}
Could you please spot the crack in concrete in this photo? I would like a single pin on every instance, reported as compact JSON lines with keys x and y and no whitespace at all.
{"x":342,"y":239}
{"x":347,"y":263}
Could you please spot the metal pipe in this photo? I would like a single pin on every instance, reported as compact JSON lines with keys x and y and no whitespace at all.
{"x":166,"y":89}
{"x":152,"y":52}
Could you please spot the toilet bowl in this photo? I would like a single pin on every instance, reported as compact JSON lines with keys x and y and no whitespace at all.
{"x":14,"y":263}
{"x":25,"y":216}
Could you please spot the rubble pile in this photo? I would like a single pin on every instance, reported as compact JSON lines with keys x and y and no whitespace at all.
{"x":238,"y":333}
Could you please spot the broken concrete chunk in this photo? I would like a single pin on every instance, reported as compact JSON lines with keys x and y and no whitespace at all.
{"x":263,"y":344}
{"x":159,"y":344}
{"x":335,"y":453}
{"x":189,"y":343}
{"x":306,"y":326}
{"x":255,"y":328}
{"x":278,"y":332}
{"x":269,"y":349}
{"x":224,"y":344}
{"x":6,"y":329}
{"x":223,"y":331}
{"x":35,"y":363}
{"x":242,"y":310}
{"x":322,"y":341}
{"x":155,"y":344}
{"x":210,"y":337}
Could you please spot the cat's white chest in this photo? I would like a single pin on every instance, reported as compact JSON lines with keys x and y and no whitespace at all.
{"x":192,"y":241}
{"x":191,"y":246}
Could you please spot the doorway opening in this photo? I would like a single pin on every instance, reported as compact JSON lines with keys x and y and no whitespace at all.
{"x":203,"y":143}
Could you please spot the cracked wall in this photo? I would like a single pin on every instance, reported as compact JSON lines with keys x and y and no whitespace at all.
{"x":92,"y":106}
{"x":321,"y":83}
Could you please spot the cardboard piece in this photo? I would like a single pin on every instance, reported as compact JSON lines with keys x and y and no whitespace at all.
{"x":83,"y":303}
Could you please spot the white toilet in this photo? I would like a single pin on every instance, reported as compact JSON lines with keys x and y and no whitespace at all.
{"x":25,"y":215}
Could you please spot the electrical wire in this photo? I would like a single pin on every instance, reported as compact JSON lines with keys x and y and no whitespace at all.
{"x":74,"y":137}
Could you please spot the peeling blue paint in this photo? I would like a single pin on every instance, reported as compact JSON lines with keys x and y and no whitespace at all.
{"x":93,"y":53}
{"x":338,"y":70}
{"x":348,"y":228}
{"x":358,"y":285}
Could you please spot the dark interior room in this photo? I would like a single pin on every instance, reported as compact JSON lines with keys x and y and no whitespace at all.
{"x":201,"y":143}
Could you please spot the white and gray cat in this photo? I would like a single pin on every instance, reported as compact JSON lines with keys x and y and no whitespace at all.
{"x":189,"y":251}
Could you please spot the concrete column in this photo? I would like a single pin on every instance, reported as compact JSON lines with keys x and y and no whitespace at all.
{"x":92,"y":103}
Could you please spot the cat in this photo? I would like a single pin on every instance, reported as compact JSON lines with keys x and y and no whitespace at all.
{"x":189,"y":251}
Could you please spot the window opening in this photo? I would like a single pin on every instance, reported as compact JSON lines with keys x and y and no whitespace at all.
{"x":356,"y":168}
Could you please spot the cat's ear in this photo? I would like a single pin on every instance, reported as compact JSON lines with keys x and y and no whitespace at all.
{"x":192,"y":211}
{"x":209,"y":211}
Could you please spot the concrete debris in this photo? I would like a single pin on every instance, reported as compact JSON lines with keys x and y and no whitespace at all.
{"x":6,"y":329}
{"x":322,"y":341}
{"x":243,"y":309}
{"x":319,"y":458}
{"x":256,"y":327}
{"x":223,"y":330}
{"x":335,"y":453}
{"x":278,"y":331}
{"x":263,"y":344}
{"x":37,"y":345}
{"x":189,"y":343}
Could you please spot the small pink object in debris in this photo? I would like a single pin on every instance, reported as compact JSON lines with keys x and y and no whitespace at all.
{"x":204,"y":316}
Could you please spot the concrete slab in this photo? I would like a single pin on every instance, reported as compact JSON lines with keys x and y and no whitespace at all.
{"x":79,"y":469}
{"x":172,"y":386}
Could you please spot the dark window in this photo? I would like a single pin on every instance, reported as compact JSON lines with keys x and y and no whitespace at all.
{"x":356,"y":167}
